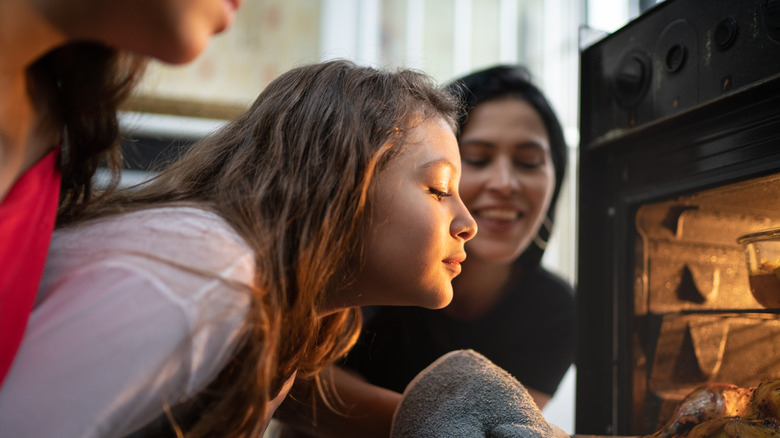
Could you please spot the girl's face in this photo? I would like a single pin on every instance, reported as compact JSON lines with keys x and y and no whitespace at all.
{"x":419,"y":225}
{"x":508,"y":176}
{"x":174,"y":31}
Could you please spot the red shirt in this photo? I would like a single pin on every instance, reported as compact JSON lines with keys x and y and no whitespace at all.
{"x":27,"y":216}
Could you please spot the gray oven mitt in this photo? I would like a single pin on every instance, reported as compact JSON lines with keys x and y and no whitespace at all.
{"x":463,"y":394}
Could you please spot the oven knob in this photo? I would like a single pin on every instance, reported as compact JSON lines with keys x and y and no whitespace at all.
{"x":725,"y":33}
{"x":632,"y":79}
{"x":675,"y":58}
{"x":772,"y":19}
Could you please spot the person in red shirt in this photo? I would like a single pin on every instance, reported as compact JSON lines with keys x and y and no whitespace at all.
{"x":65,"y":66}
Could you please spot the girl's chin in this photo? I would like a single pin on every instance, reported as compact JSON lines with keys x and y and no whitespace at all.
{"x":438,"y":301}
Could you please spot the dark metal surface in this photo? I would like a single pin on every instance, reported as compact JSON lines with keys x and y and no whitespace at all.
{"x":684,"y":99}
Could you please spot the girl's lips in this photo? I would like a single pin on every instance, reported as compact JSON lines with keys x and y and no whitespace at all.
{"x":453,"y":263}
{"x":454,"y":267}
{"x":457,"y":258}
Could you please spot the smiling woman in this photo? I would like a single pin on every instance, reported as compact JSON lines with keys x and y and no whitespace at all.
{"x":506,"y":150}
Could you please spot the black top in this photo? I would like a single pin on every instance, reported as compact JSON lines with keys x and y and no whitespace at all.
{"x":530,"y":334}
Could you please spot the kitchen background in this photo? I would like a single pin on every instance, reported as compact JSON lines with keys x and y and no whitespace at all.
{"x":445,"y":38}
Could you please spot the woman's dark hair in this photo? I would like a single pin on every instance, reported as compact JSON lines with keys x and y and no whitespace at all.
{"x":80,"y":86}
{"x":503,"y":81}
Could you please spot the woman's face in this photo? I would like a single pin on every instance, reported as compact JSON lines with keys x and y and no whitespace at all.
{"x":419,"y":224}
{"x":508,"y":176}
{"x":174,"y":31}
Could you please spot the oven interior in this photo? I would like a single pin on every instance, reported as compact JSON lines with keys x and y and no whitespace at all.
{"x":679,"y":158}
{"x":696,"y":318}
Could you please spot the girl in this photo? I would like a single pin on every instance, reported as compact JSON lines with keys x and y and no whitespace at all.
{"x":506,"y":305}
{"x":65,"y":66}
{"x":200,"y":297}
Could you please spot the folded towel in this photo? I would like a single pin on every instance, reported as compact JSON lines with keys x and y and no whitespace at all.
{"x":463,"y":394}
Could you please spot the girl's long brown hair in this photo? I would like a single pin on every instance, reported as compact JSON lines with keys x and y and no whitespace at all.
{"x":81,"y":85}
{"x":293,"y":176}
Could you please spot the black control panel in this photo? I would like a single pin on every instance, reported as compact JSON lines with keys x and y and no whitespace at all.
{"x":678,"y":55}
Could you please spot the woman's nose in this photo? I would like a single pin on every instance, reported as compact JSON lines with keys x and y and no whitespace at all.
{"x":503,"y":178}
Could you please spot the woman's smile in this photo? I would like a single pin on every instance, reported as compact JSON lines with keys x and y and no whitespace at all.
{"x":499,"y":219}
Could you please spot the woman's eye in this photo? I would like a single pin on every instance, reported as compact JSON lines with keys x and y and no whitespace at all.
{"x":531,"y":159}
{"x":529,"y":164}
{"x":439,"y":194}
{"x":476,"y":162}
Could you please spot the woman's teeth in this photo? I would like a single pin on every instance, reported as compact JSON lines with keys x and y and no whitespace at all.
{"x":498,"y":214}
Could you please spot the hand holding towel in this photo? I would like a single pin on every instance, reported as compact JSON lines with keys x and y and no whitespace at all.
{"x":463,"y":394}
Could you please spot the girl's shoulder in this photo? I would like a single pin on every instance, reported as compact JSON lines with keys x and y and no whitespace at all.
{"x":165,"y":222}
{"x":180,"y":248}
{"x":157,"y":297}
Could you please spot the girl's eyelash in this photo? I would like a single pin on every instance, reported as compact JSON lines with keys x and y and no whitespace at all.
{"x":439,"y":194}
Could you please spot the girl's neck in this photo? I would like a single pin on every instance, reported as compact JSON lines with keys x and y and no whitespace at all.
{"x":478,"y":288}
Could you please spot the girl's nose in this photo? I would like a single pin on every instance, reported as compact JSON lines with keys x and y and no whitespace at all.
{"x":463,"y":225}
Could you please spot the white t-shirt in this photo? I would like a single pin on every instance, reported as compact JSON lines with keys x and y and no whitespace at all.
{"x":133,"y":311}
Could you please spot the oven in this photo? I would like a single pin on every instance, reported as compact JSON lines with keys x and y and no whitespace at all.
{"x":679,"y":158}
